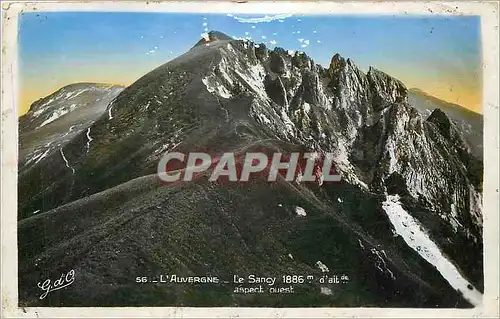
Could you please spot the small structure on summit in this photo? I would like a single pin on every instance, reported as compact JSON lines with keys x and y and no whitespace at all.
{"x":213,"y":36}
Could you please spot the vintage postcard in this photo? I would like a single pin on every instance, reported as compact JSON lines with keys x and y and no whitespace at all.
{"x":249,"y":159}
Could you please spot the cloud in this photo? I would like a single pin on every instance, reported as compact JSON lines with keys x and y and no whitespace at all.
{"x":265,"y":18}
{"x":273,"y":42}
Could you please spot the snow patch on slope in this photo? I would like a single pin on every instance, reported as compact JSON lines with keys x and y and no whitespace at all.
{"x":326,"y":291}
{"x":300,"y":211}
{"x":215,"y":88}
{"x":380,"y":262}
{"x":322,"y":266}
{"x":110,"y":116}
{"x":89,"y":139}
{"x":416,"y":237}
{"x":66,"y":161}
{"x":57,"y":114}
{"x":38,"y":158}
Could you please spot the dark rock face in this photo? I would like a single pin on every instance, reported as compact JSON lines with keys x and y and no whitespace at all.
{"x":396,"y":184}
{"x":386,"y":89}
{"x":450,"y":131}
{"x":277,"y":63}
{"x":442,"y":121}
{"x":275,"y":89}
{"x":470,"y":124}
{"x":235,"y":95}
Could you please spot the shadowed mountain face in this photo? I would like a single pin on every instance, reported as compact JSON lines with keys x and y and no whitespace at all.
{"x":469,"y":123}
{"x":404,"y":224}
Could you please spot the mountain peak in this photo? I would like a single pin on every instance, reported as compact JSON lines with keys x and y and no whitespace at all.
{"x":337,"y":61}
{"x":441,"y":120}
{"x":212,"y":36}
{"x":82,"y":86}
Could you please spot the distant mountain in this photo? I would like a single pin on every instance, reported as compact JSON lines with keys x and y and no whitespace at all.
{"x":404,"y":224}
{"x":469,"y":122}
{"x":54,"y":120}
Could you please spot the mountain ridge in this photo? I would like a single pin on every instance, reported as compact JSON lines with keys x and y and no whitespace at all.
{"x":231,"y":95}
{"x":69,"y":86}
{"x":461,"y":107}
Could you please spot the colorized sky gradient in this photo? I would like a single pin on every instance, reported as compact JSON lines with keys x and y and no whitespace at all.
{"x":438,"y":54}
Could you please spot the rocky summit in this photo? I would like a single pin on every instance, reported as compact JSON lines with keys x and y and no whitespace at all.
{"x":403,"y":228}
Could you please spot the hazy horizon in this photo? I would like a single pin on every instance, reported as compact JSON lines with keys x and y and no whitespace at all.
{"x":438,"y":55}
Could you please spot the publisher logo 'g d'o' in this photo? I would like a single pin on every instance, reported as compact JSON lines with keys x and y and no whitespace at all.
{"x":63,"y":281}
{"x":314,"y":167}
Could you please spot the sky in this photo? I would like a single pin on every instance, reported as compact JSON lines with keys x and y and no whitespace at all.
{"x":440,"y":55}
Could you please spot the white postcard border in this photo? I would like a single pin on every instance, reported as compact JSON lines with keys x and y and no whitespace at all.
{"x":488,"y":10}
